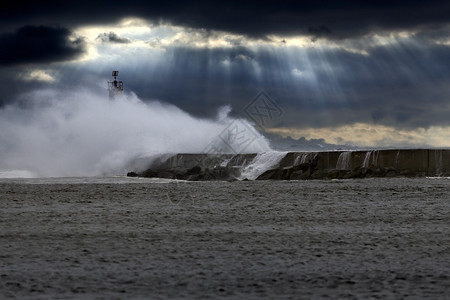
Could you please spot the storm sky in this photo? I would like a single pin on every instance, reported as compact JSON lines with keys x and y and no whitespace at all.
{"x":372,"y":73}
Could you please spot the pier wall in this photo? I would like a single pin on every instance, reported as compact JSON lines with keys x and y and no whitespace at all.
{"x":304,"y":165}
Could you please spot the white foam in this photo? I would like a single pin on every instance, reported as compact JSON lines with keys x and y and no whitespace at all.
{"x":262,"y":162}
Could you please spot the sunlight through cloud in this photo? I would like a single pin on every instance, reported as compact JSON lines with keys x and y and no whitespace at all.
{"x":367,"y":135}
{"x":39,"y":75}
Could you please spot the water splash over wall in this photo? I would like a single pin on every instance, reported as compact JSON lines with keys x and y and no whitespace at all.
{"x":366,"y":162}
{"x":261,"y":163}
{"x":344,"y":161}
{"x":375,"y":157}
{"x":303,"y":158}
{"x":397,"y":159}
{"x":438,"y":162}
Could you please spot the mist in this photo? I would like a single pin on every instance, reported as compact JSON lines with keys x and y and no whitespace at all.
{"x":57,"y":133}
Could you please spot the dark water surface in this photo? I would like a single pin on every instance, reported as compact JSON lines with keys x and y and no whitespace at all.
{"x":89,"y":238}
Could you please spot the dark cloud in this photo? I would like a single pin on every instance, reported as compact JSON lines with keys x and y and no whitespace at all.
{"x":319,"y":32}
{"x":332,"y":19}
{"x":39,"y":44}
{"x":404,"y":83}
{"x":404,"y":86}
{"x":290,"y":144}
{"x":112,"y":38}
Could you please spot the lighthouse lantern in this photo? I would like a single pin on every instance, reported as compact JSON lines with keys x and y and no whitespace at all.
{"x":115,"y":88}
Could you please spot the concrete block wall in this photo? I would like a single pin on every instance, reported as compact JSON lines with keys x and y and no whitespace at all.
{"x":400,"y":162}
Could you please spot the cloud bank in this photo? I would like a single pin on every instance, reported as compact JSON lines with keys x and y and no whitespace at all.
{"x":39,"y":44}
{"x":328,"y":64}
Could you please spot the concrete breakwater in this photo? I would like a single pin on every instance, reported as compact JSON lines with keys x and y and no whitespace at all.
{"x":301,"y":165}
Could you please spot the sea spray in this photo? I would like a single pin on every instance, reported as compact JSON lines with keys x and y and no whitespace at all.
{"x":55,"y":133}
{"x":262,"y":162}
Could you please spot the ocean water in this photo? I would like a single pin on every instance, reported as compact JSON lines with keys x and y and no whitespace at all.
{"x":135,"y":238}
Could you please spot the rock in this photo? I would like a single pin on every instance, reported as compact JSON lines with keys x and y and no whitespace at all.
{"x":195,"y":170}
{"x":301,"y":167}
{"x":271,"y":175}
{"x":297,"y":175}
{"x":332,"y":174}
{"x":169,"y":174}
{"x":358,"y":172}
{"x":148,"y":173}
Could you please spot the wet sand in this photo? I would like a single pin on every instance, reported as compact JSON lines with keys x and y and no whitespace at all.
{"x":144,"y":239}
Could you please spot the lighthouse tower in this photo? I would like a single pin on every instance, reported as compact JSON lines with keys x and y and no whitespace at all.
{"x":115,"y":88}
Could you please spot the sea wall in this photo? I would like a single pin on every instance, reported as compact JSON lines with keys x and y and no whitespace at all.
{"x":301,"y":165}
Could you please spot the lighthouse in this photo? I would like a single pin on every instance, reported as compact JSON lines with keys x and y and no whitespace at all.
{"x":115,"y":88}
